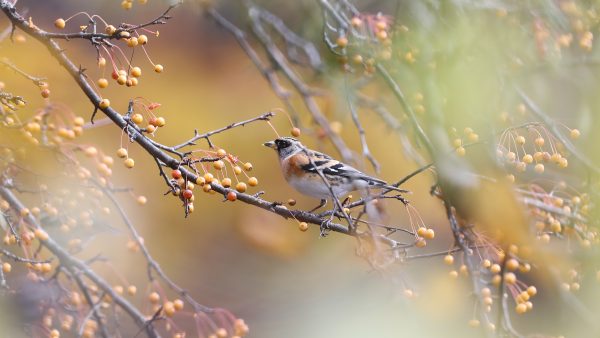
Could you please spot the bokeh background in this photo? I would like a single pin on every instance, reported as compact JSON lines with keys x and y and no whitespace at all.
{"x":283,"y":282}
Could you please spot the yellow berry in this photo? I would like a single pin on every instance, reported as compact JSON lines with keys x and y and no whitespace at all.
{"x":137,"y":118}
{"x":104,"y":103}
{"x":129,"y":163}
{"x":528,"y":159}
{"x":512,"y":264}
{"x":142,"y":39}
{"x":521,"y":308}
{"x":520,"y":140}
{"x":218,"y":164}
{"x":41,"y":234}
{"x":136,"y":72}
{"x":237,"y":170}
{"x":208,"y":177}
{"x":253,"y":181}
{"x":539,"y":168}
{"x":342,"y":41}
{"x":160,"y":121}
{"x":241,"y":187}
{"x":178,"y":304}
{"x":575,"y":133}
{"x":226,"y":182}
{"x":158,"y":68}
{"x":449,"y":259}
{"x":248,"y":166}
{"x":510,"y":278}
{"x":303,"y":226}
{"x":59,"y":23}
{"x":122,"y":153}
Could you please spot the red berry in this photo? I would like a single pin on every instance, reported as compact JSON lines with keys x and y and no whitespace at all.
{"x":187,"y":194}
{"x":176,"y":174}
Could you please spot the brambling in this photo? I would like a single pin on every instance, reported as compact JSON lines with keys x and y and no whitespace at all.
{"x":300,"y":173}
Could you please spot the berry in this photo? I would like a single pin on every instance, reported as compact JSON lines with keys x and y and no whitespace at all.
{"x":110,"y":30}
{"x":122,"y":153}
{"x":102,"y":83}
{"x":231,"y":196}
{"x":142,"y":39}
{"x":253,"y":181}
{"x":187,"y":194}
{"x":104,"y":103}
{"x":45,"y":93}
{"x":449,"y":259}
{"x":575,"y":133}
{"x":226,"y":182}
{"x":218,"y":164}
{"x":208,"y":177}
{"x":160,"y":122}
{"x":141,"y":200}
{"x":154,"y":298}
{"x":248,"y":166}
{"x":296,"y":132}
{"x":342,"y":42}
{"x":158,"y":68}
{"x":136,"y":72}
{"x":241,"y":187}
{"x":129,"y":163}
{"x":137,"y":118}
{"x":60,"y":23}
{"x":539,"y":168}
{"x":176,"y":174}
{"x":303,"y":226}
{"x":178,"y":304}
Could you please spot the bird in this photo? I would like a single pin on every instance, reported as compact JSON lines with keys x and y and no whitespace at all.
{"x":302,"y":173}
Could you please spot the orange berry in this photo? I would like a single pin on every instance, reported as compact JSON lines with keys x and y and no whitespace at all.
{"x":187,"y":194}
{"x":342,"y":41}
{"x":102,"y":82}
{"x":237,"y":170}
{"x":512,"y":264}
{"x":449,"y":259}
{"x":158,"y":68}
{"x":131,"y":290}
{"x":231,"y":196}
{"x":169,"y":309}
{"x":253,"y":181}
{"x":45,"y":93}
{"x":510,"y":278}
{"x":160,"y":121}
{"x":6,"y":267}
{"x":296,"y":132}
{"x":248,"y":166}
{"x":136,"y":72}
{"x":303,"y":226}
{"x":208,"y":177}
{"x":154,"y":298}
{"x":226,"y":182}
{"x":539,"y":168}
{"x":178,"y":304}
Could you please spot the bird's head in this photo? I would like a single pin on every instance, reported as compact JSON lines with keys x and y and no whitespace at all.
{"x":285,"y":146}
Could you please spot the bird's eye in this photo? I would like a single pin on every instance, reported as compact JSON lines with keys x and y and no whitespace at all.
{"x":282,"y":144}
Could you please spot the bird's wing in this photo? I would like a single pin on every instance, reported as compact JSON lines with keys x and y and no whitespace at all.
{"x":329,"y":166}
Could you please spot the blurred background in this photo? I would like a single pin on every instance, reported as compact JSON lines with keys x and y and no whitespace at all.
{"x":260,"y":267}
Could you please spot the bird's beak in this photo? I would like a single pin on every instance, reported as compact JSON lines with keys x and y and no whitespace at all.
{"x":269,"y":144}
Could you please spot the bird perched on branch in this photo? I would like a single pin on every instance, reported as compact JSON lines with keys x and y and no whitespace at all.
{"x":301,"y":167}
